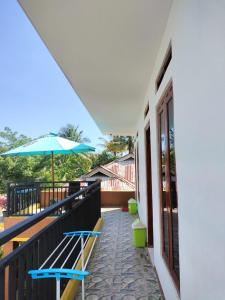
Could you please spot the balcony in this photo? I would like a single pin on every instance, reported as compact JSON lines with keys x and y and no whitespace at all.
{"x":29,"y":198}
{"x":79,"y":211}
{"x":117,"y":269}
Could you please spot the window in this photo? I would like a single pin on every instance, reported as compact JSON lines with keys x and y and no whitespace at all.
{"x":168,"y":190}
{"x":164,"y":67}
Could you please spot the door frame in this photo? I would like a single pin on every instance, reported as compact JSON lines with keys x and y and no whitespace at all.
{"x":148,"y":165}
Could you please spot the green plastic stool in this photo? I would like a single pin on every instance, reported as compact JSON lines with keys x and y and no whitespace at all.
{"x":139,"y":234}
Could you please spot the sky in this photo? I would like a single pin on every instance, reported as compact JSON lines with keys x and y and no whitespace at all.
{"x":35,"y":96}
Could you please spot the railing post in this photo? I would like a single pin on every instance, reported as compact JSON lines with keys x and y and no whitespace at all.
{"x":2,"y":284}
{"x":8,"y":199}
{"x":82,"y":262}
{"x":74,"y":186}
{"x":99,"y":199}
{"x":57,"y":288}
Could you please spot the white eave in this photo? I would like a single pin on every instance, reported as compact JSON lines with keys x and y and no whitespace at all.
{"x":106,"y":49}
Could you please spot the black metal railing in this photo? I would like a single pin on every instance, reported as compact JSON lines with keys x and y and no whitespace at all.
{"x":29,"y":198}
{"x":80,"y":211}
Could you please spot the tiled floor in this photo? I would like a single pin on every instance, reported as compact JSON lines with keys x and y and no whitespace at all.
{"x":117,"y":269}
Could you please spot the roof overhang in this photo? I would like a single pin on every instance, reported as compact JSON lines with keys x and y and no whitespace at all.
{"x":106,"y":49}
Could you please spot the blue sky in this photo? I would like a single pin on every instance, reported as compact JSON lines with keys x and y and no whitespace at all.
{"x":35,"y":96}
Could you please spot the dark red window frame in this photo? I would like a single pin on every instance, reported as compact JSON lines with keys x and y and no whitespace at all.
{"x":167,"y":185}
{"x":136,"y":156}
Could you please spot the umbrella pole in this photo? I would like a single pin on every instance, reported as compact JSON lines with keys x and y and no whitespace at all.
{"x":53,"y":175}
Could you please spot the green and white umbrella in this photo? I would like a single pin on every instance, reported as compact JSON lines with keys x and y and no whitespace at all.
{"x":49,"y":144}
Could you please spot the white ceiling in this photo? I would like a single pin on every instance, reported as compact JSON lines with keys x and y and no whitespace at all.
{"x":106,"y":49}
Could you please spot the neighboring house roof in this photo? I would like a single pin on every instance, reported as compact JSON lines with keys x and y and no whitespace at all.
{"x":106,"y":172}
{"x":121,"y":169}
{"x":123,"y":166}
{"x":100,"y":169}
{"x":129,"y":156}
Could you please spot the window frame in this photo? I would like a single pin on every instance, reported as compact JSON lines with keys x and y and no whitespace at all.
{"x":162,"y":108}
{"x":136,"y":156}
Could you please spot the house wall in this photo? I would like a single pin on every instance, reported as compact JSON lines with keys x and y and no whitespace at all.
{"x":47,"y":197}
{"x":116,"y":198}
{"x":196,"y":30}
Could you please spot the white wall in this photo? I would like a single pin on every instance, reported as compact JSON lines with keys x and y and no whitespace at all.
{"x":197,"y":31}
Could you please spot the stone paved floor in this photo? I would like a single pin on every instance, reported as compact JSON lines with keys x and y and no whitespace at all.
{"x":117,"y":269}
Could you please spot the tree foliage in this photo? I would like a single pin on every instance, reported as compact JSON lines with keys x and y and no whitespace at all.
{"x":72,"y":166}
{"x":9,"y":139}
{"x":18,"y":168}
{"x":73,"y":133}
{"x":102,"y":159}
{"x":118,"y":144}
